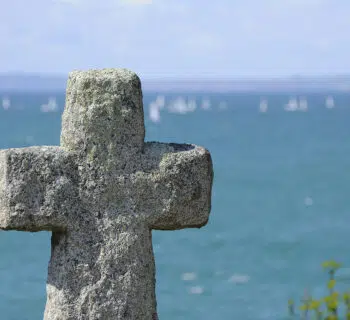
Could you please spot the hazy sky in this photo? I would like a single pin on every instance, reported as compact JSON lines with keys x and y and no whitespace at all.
{"x":217,"y":38}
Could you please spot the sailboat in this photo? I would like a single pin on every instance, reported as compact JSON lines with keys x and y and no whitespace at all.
{"x":191,"y":105}
{"x":292,"y":105}
{"x":155,"y":107}
{"x":154,"y":112}
{"x":330,"y":102}
{"x":51,"y":106}
{"x":6,"y":103}
{"x":263,"y":105}
{"x":303,"y":104}
{"x":206,"y":104}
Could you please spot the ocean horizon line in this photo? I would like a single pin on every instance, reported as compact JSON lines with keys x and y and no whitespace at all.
{"x":23,"y":82}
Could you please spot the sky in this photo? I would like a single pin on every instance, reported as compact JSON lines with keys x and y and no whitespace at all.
{"x":177,"y":38}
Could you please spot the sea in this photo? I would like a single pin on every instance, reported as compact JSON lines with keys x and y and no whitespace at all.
{"x":280,"y":203}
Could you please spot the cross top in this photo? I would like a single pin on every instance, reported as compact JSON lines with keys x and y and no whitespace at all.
{"x":103,"y":114}
{"x":101,"y":193}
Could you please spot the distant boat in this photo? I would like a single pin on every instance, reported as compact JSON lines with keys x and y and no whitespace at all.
{"x":303,"y":106}
{"x":160,"y":102}
{"x":206,"y":104}
{"x":154,"y":112}
{"x":155,"y":107}
{"x":263,"y":106}
{"x":51,"y":106}
{"x":6,"y":103}
{"x":330,"y":102}
{"x":292,"y":105}
{"x":181,"y":106}
{"x":191,"y":105}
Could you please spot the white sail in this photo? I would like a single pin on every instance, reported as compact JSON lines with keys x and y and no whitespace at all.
{"x":263,"y":106}
{"x":154,"y":112}
{"x":191,"y":105}
{"x":181,"y":106}
{"x":51,"y":106}
{"x":303,"y":106}
{"x":292,"y":105}
{"x":160,"y":102}
{"x":206,"y":104}
{"x":330,"y":102}
{"x":6,"y":103}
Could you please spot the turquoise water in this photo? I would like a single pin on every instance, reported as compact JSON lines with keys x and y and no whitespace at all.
{"x":281,"y":206}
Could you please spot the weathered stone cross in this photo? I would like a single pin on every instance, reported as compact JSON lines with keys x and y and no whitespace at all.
{"x":101,"y":193}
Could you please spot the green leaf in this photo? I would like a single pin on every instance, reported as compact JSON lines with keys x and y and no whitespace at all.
{"x":331,"y":264}
{"x":304,"y":307}
{"x":315,"y":304}
{"x":331,"y":284}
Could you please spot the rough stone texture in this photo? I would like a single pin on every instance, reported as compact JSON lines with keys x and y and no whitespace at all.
{"x":101,"y":193}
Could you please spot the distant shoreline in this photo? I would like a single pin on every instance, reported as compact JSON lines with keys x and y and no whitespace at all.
{"x":45,"y":83}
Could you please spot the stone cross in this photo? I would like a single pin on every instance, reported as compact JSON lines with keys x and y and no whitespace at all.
{"x":101,"y":193}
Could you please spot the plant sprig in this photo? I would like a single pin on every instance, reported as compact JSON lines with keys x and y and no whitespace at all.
{"x":327,"y":307}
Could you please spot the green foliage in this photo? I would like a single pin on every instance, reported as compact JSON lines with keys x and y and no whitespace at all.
{"x":327,"y":307}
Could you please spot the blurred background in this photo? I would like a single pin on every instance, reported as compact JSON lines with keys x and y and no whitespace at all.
{"x":264,"y":85}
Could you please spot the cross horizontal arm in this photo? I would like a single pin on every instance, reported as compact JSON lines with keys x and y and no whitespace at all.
{"x":178,"y":194}
{"x":36,"y":188}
